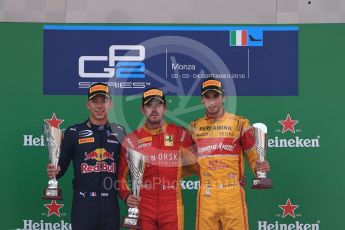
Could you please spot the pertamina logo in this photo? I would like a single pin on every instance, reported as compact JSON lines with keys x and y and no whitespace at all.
{"x":122,"y":62}
{"x":291,"y":126}
{"x":288,"y":215}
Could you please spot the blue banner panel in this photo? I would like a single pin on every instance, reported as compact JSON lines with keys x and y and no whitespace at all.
{"x":251,"y":61}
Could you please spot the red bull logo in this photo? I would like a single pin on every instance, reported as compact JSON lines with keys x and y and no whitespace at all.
{"x":99,"y":155}
{"x":92,"y":155}
{"x":107,"y":155}
{"x":98,"y":167}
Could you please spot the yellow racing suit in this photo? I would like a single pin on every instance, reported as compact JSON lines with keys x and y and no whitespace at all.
{"x":222,"y":144}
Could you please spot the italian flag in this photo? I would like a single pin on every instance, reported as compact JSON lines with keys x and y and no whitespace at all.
{"x":238,"y":37}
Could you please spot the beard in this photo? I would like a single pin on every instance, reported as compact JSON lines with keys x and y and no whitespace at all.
{"x":213,"y":109}
{"x":154,"y":119}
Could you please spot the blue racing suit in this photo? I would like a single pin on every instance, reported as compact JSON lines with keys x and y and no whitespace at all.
{"x":94,"y":151}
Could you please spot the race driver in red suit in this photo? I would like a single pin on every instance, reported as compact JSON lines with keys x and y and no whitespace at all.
{"x":169,"y":157}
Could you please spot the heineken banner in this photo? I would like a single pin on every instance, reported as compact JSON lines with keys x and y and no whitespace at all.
{"x":288,"y":77}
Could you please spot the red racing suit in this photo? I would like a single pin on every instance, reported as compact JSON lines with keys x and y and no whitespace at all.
{"x":169,"y":157}
{"x":222,"y":144}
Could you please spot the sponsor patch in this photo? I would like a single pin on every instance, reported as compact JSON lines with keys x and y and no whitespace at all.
{"x":99,"y":88}
{"x":168,"y":140}
{"x":145,"y":139}
{"x":211,"y":83}
{"x":98,"y":167}
{"x":86,"y":140}
{"x":153,"y":92}
{"x":85,"y":133}
{"x":99,"y":154}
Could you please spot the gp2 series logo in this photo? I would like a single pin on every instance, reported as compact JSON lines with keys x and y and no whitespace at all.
{"x":129,"y":65}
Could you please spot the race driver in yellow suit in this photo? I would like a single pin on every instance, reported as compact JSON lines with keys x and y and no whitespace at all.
{"x":223,"y":141}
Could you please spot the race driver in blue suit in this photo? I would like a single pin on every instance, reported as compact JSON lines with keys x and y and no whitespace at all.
{"x":94,"y":148}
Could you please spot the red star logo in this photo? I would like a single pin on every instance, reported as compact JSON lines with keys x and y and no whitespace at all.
{"x":54,"y":122}
{"x":288,"y":124}
{"x":53,"y":208}
{"x":288,"y":209}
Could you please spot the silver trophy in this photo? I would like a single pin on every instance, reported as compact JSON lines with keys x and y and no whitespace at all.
{"x":53,"y":137}
{"x":136,"y":163}
{"x":261,"y":181}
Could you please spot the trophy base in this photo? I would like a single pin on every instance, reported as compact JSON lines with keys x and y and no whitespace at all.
{"x":130,"y":222}
{"x":262,"y":183}
{"x":52,"y":194}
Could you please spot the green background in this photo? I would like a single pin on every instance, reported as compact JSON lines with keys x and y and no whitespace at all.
{"x":310,"y":177}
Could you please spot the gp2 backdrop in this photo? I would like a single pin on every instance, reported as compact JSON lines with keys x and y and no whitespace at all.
{"x":289,"y":77}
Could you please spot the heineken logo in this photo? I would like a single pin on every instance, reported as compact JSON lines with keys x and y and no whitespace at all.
{"x":33,"y":225}
{"x":288,"y":209}
{"x":287,"y":220}
{"x":297,"y":225}
{"x":53,"y":208}
{"x":290,"y":125}
{"x":295,"y":142}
